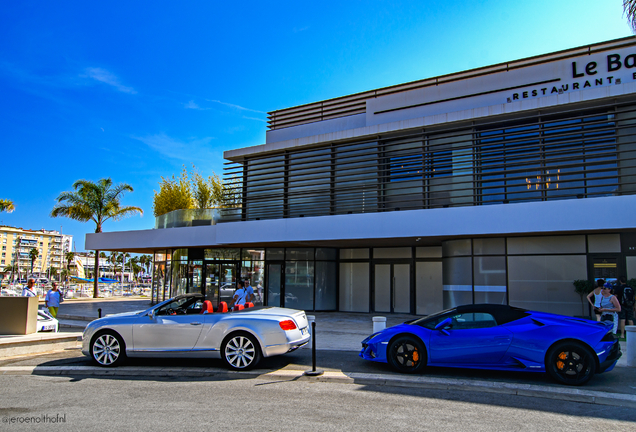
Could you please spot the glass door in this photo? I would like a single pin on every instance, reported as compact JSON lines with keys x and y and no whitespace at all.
{"x":227,"y":281}
{"x":274,"y":284}
{"x":392,"y":288}
{"x":212,"y":283}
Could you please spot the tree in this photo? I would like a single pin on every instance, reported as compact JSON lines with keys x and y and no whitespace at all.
{"x":207,"y":192}
{"x":6,"y":205}
{"x":187,"y":192}
{"x":70,"y":256}
{"x":33,"y":255}
{"x":98,"y":202}
{"x":174,"y":194}
{"x":52,"y":271}
{"x":583,"y":287}
{"x":629,"y":8}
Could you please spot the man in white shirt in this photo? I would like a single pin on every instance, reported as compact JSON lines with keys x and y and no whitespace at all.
{"x":29,"y":291}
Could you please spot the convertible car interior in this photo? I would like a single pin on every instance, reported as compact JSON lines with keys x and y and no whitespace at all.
{"x":195,"y":305}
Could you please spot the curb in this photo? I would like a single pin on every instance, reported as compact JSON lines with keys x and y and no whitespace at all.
{"x":527,"y":390}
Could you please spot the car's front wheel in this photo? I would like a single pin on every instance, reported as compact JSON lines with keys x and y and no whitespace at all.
{"x":108,"y":349}
{"x":571,"y":363}
{"x":241,"y":351}
{"x":407,"y":354}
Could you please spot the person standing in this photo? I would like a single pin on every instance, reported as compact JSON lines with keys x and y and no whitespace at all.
{"x":609,"y":306}
{"x":250,"y":292}
{"x":625,"y":295}
{"x":597,"y":294}
{"x":53,"y":299}
{"x":239,"y":295}
{"x":29,"y":291}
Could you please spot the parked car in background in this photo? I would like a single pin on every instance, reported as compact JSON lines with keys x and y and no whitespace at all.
{"x":46,"y":322}
{"x":570,"y":350}
{"x":188,"y":326}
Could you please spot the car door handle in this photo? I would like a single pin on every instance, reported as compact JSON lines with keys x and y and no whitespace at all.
{"x":195,"y":323}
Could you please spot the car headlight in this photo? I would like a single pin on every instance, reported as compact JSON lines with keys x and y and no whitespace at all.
{"x":371,"y":337}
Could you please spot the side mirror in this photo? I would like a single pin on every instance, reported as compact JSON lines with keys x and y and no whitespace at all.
{"x":151,"y":314}
{"x":441,"y":325}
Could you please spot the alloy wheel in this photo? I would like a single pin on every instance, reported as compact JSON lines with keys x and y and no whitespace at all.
{"x":240,"y":352}
{"x":106,"y":349}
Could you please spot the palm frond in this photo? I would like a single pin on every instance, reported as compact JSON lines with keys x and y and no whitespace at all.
{"x":629,"y":9}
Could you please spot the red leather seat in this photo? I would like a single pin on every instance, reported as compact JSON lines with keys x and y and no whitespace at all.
{"x":222,"y":307}
{"x":207,"y":307}
{"x":238,"y":307}
{"x":249,"y":305}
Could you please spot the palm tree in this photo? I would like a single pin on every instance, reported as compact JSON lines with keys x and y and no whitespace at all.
{"x":33,"y":254}
{"x":135,"y":268}
{"x":6,"y":205}
{"x":629,"y":8}
{"x":97,"y":202}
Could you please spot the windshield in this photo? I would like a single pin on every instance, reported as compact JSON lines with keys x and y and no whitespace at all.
{"x":421,"y":321}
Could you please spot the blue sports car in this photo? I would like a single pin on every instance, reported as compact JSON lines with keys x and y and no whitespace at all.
{"x":486,"y":336}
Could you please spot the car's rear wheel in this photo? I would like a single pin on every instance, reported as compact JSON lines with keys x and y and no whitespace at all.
{"x":240,"y":351}
{"x":571,"y":363}
{"x":407,"y":354}
{"x":108,"y":349}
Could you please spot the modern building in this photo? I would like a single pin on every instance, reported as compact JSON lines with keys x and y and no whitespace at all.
{"x":501,"y":184}
{"x":17,"y":244}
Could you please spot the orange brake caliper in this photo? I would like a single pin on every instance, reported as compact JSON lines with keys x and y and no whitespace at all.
{"x":560,"y":364}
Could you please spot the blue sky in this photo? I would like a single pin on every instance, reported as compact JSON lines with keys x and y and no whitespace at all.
{"x":135,"y":90}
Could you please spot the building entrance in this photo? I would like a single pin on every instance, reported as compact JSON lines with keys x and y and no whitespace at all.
{"x":392,"y":288}
{"x":220,"y":281}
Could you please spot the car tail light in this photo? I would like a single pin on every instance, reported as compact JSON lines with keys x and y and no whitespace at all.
{"x":287,"y":325}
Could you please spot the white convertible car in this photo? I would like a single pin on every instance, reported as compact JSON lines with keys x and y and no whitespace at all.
{"x":188,"y":326}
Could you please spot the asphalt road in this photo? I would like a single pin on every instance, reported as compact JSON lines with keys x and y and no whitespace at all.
{"x":219,"y":403}
{"x":620,"y":380}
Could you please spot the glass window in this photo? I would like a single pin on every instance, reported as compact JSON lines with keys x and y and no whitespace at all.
{"x":457,"y":280}
{"x":456,"y":248}
{"x":299,"y":285}
{"x":325,"y":285}
{"x":354,"y":287}
{"x":472,"y":320}
{"x":354,"y":253}
{"x":490,"y":279}
{"x":402,"y":252}
{"x":253,"y":271}
{"x":489,"y":246}
{"x":180,"y":254}
{"x":355,"y":178}
{"x":252,"y":254}
{"x":179,"y":277}
{"x":275,"y":253}
{"x":229,"y":254}
{"x":326,"y":254}
{"x":299,"y":253}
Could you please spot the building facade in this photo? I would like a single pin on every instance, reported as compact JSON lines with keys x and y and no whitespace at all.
{"x":502,"y":184}
{"x":17,"y":243}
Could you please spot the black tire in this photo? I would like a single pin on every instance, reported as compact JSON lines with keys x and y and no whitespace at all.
{"x":241,"y":351}
{"x":108,"y":349}
{"x":570,"y":363}
{"x":407,"y":354}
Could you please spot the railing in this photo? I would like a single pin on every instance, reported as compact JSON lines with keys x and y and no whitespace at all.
{"x":187,"y":218}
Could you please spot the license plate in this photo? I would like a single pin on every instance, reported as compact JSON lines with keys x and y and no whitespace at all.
{"x":304,"y":331}
{"x":48,"y":327}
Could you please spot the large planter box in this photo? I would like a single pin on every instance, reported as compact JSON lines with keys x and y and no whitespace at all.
{"x":18,"y":315}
